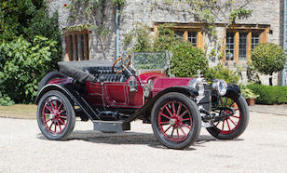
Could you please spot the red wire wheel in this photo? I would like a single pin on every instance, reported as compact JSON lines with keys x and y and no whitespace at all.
{"x":234,"y":120}
{"x":55,"y":116}
{"x":176,"y":121}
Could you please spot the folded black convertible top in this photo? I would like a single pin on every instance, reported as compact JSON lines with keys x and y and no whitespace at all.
{"x":75,"y":72}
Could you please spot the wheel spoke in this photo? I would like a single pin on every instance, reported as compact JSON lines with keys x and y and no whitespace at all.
{"x":56,"y":106}
{"x":60,"y":106}
{"x":227,"y":124}
{"x":164,"y":123}
{"x":185,"y":119}
{"x":182,"y":131}
{"x":232,"y":121}
{"x":51,"y":125}
{"x":172,"y":132}
{"x":59,"y":126}
{"x":173,"y":108}
{"x":47,"y":107}
{"x":177,"y":133}
{"x":223,"y":125}
{"x":62,"y":121}
{"x":167,"y":129}
{"x":168,"y":110}
{"x":165,"y":115}
{"x":217,"y":124}
{"x":235,"y":116}
{"x":184,"y":113}
{"x":178,"y":109}
{"x":47,"y":121}
{"x":187,"y":126}
{"x":55,"y":127}
{"x":51,"y":103}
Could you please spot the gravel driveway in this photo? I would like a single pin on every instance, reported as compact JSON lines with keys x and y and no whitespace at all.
{"x":262,"y":148}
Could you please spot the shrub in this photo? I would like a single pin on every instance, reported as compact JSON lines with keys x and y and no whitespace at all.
{"x":5,"y":100}
{"x":23,"y":66}
{"x":269,"y":94}
{"x":268,"y":58}
{"x":220,"y":72}
{"x":187,"y":60}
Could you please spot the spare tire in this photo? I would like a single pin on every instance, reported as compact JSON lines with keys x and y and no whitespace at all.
{"x":50,"y":76}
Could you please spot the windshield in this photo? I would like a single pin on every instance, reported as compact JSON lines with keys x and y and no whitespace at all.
{"x":151,"y":61}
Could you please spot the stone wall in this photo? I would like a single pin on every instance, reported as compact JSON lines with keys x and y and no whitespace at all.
{"x":148,"y":12}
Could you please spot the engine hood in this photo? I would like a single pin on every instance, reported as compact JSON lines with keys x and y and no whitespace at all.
{"x":166,"y":82}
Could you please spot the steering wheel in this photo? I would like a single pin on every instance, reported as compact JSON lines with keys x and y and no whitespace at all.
{"x":124,"y":66}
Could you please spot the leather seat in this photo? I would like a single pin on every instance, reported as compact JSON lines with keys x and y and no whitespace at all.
{"x":105,"y":74}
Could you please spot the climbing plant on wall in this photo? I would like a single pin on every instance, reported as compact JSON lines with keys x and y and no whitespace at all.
{"x":210,"y":12}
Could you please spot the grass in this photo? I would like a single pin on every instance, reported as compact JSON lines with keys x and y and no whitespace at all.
{"x":19,"y":111}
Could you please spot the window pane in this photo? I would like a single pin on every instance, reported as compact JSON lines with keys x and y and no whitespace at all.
{"x":179,"y":35}
{"x":82,"y":46}
{"x":71,"y":52}
{"x":77,"y":50}
{"x":242,"y":46}
{"x":255,"y":39}
{"x":192,"y":37}
{"x":87,"y":45}
{"x":230,"y":46}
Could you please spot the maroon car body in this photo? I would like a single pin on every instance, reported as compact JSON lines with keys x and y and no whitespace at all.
{"x":176,"y":107}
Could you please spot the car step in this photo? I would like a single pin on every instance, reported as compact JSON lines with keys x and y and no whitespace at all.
{"x":111,"y":126}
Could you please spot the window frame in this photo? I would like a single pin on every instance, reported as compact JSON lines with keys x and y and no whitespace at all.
{"x":263,"y":37}
{"x":186,"y":28}
{"x":79,"y":52}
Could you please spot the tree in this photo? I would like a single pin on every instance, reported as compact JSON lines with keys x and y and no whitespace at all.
{"x":268,"y":58}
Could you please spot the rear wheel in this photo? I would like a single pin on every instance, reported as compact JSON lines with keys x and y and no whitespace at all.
{"x":234,"y":118}
{"x":175,"y":121}
{"x":55,"y":116}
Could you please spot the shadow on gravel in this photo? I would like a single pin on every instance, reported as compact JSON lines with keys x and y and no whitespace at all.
{"x":128,"y":138}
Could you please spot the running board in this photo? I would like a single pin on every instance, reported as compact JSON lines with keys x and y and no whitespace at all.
{"x":111,"y":126}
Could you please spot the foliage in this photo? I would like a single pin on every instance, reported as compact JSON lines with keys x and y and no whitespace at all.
{"x":23,"y":66}
{"x":27,"y":18}
{"x":187,"y":60}
{"x":30,"y":46}
{"x":221,"y":72}
{"x":143,"y":42}
{"x":268,"y":58}
{"x":5,"y":100}
{"x":247,"y":93}
{"x":252,"y":74}
{"x":269,"y":94}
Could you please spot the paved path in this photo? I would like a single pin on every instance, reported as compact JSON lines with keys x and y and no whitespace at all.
{"x":262,"y":148}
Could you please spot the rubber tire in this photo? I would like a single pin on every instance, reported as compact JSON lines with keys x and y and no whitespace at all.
{"x":51,"y":75}
{"x":243,"y":107}
{"x":70,"y":113}
{"x":193,"y":108}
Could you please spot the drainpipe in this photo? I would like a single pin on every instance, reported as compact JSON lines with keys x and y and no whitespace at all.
{"x":117,"y":33}
{"x":284,"y":40}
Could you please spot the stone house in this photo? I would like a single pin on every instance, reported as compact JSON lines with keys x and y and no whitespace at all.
{"x":264,"y":25}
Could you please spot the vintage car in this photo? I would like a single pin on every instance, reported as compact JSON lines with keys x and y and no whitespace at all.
{"x":112,"y":95}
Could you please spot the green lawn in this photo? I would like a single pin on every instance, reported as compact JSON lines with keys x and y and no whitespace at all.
{"x":19,"y":111}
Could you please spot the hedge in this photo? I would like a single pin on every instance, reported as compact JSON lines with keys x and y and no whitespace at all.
{"x":269,"y":94}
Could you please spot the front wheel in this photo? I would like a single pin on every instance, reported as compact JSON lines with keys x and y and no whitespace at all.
{"x":175,"y":120}
{"x":233,"y":117}
{"x":55,"y":116}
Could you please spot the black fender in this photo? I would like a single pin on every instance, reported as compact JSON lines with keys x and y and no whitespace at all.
{"x":233,"y":89}
{"x":146,"y":109}
{"x":71,"y":93}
